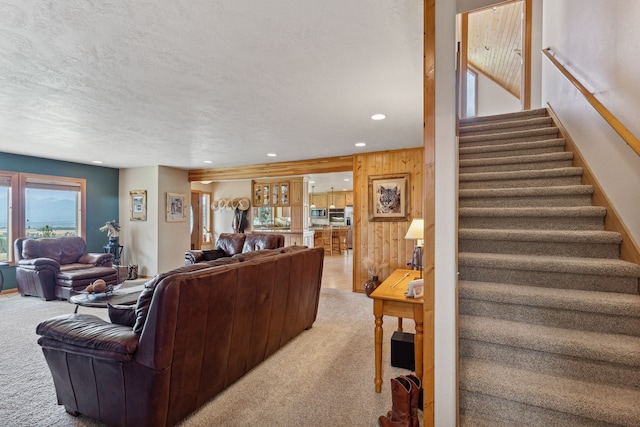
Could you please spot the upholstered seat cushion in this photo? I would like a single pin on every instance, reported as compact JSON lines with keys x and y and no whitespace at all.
{"x":89,"y":334}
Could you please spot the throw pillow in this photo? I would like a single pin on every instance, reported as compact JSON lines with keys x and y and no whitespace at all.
{"x":124,"y":315}
{"x":213,"y":254}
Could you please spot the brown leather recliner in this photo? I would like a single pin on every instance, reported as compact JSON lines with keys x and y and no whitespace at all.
{"x":198,"y":329}
{"x":55,"y":267}
{"x":235,"y":243}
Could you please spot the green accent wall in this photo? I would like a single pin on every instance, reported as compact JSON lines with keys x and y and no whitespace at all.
{"x":102,"y":195}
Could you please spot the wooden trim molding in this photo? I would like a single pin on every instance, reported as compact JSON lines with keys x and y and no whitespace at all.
{"x":613,"y":121}
{"x":267,"y":170}
{"x":526,"y":55}
{"x":428,"y":197}
{"x":629,"y":250}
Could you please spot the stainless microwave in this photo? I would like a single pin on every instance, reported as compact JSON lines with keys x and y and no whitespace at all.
{"x":318,"y":213}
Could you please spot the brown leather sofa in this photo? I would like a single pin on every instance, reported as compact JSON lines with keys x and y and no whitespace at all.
{"x":201,"y":327}
{"x":54,"y":267}
{"x":230,"y":244}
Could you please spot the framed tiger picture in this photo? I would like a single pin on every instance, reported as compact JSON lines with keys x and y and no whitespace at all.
{"x":389,"y":197}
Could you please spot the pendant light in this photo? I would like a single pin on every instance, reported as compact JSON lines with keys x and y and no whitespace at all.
{"x":313,"y":205}
{"x":332,"y":206}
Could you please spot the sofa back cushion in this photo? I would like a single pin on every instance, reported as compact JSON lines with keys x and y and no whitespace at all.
{"x":231,"y":243}
{"x":258,"y":241}
{"x":65,"y":250}
{"x":144,"y":300}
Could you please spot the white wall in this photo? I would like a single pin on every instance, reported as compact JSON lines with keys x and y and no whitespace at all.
{"x":174,"y":238}
{"x":599,"y":42}
{"x":139,"y":238}
{"x":446,"y":170}
{"x":222,"y":218}
{"x":493,"y":99}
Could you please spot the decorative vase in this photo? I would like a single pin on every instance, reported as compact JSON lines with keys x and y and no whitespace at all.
{"x":371,"y":285}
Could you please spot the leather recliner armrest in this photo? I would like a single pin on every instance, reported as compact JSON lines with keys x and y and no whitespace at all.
{"x":88,"y":335}
{"x":97,"y":259}
{"x":39,"y":264}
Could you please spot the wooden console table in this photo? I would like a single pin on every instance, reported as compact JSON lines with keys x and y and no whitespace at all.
{"x":389,"y":299}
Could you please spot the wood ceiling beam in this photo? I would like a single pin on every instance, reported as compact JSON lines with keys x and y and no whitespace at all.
{"x":269,"y":170}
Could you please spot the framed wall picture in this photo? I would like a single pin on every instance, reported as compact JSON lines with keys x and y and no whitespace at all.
{"x":389,"y":197}
{"x":176,"y":207}
{"x":138,"y":202}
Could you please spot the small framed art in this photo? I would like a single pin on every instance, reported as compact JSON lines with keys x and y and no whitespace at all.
{"x":138,"y":202}
{"x":176,"y":207}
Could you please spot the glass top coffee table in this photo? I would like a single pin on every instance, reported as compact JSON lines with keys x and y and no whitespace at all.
{"x":126,"y":296}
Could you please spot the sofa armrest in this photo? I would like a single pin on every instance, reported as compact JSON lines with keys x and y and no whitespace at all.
{"x":88,"y":335}
{"x":97,"y":259}
{"x":39,"y":264}
{"x":193,"y":256}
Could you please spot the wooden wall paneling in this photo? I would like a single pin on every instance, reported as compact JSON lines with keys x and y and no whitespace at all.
{"x":383,"y":241}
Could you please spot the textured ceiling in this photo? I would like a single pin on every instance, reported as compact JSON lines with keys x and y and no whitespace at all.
{"x":176,"y":82}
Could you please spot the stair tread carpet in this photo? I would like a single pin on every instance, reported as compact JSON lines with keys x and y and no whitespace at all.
{"x":507,"y":136}
{"x":559,"y":236}
{"x":526,"y":159}
{"x":560,"y":190}
{"x":618,"y":304}
{"x":520,"y":115}
{"x":562,"y":211}
{"x":606,"y":403}
{"x":557,"y":264}
{"x":511,"y":147}
{"x":496,"y":127}
{"x":536,"y":173}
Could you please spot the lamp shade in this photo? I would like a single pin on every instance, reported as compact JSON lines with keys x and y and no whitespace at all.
{"x":416,"y":230}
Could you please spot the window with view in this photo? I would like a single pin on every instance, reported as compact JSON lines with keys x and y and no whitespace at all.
{"x":39,"y":206}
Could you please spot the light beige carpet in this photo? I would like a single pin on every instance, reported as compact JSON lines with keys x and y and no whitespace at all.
{"x":324,"y":377}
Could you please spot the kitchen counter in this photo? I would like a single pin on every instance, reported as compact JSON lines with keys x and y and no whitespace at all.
{"x":291,"y":238}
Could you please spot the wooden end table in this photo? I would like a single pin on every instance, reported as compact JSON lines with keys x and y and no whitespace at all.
{"x":389,"y":299}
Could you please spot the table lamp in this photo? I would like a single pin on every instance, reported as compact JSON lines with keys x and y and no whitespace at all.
{"x":416,"y":231}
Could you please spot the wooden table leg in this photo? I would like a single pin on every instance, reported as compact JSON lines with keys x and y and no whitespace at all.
{"x":399,"y":324}
{"x":377,"y":312}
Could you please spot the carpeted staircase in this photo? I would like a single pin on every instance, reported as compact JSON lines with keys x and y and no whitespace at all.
{"x":549,"y":316}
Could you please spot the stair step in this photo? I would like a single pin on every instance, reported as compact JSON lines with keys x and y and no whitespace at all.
{"x":550,"y":271}
{"x":604,"y":312}
{"x":522,"y":178}
{"x":559,"y":196}
{"x":509,"y":126}
{"x":534,"y":218}
{"x":520,"y":115}
{"x":526,"y":148}
{"x":548,"y":398}
{"x":510,"y":137}
{"x":577,"y":243}
{"x":560,"y":159}
{"x":545,"y":218}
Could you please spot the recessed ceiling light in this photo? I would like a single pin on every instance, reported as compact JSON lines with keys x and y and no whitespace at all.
{"x":312,"y":182}
{"x":271,"y":154}
{"x":378,"y":117}
{"x":208,"y":161}
{"x":360,"y":144}
{"x":205,"y":182}
{"x":346,"y":179}
{"x":97,"y":162}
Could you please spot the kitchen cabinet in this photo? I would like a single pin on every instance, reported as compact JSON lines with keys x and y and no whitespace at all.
{"x":348,"y":198}
{"x":339,"y":199}
{"x":320,"y":200}
{"x":276,"y":193}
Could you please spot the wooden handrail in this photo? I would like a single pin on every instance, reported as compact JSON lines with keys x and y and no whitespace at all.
{"x":625,"y":133}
